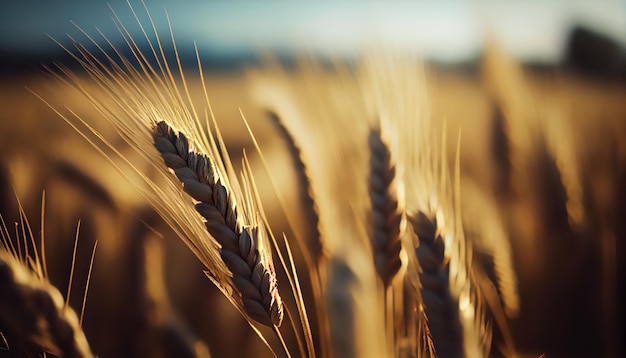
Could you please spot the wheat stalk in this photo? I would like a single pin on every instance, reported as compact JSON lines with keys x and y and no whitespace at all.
{"x":386,"y":214}
{"x":453,"y":299}
{"x":330,"y":132}
{"x":441,"y":307}
{"x":160,"y":329}
{"x":484,"y":227}
{"x":309,"y":205}
{"x":34,"y":310}
{"x":152,"y":108}
{"x":341,"y":310}
{"x":312,"y":249}
{"x":252,"y":275}
{"x":31,"y":308}
{"x":501,"y":152}
{"x":552,"y":193}
{"x":236,"y":251}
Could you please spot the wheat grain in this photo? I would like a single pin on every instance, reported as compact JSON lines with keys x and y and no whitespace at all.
{"x":454,"y":301}
{"x":501,"y":153}
{"x":551,"y":192}
{"x":386,"y":216}
{"x":312,"y":249}
{"x":236,"y":251}
{"x":326,"y":119}
{"x":308,"y":204}
{"x":484,"y":227}
{"x":34,"y":310}
{"x":440,"y":306}
{"x":252,"y":276}
{"x":561,"y":143}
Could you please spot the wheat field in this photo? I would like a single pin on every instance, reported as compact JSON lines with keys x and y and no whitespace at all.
{"x":384,"y":206}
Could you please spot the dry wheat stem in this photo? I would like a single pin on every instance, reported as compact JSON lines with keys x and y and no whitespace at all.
{"x":252,"y":276}
{"x":34,"y":310}
{"x":385,"y":213}
{"x":341,"y":308}
{"x":158,"y":320}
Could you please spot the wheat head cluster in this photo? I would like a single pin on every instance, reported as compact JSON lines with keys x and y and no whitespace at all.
{"x":378,"y":207}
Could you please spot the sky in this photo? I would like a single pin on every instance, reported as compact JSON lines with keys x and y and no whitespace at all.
{"x":447,"y":31}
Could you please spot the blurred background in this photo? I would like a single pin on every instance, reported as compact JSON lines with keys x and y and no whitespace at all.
{"x":559,"y":59}
{"x":229,"y":33}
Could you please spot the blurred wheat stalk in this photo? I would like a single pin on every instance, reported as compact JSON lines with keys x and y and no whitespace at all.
{"x":387,"y":249}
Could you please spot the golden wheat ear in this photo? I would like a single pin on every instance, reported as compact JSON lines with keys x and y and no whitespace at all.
{"x":313,"y":235}
{"x":441,"y":308}
{"x":551,"y":192}
{"x":308,"y":239}
{"x":149,"y":103}
{"x":484,"y":226}
{"x":500,"y":151}
{"x":33,"y":310}
{"x":385,"y":211}
{"x":253,"y":276}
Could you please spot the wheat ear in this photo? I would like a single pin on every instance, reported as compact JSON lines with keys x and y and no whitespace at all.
{"x":484,"y":227}
{"x":312,"y":247}
{"x":440,"y":305}
{"x":309,"y":205}
{"x":386,"y":215}
{"x":552,"y":194}
{"x":500,"y":146}
{"x":32,"y":309}
{"x":252,"y":276}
